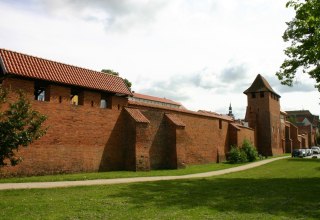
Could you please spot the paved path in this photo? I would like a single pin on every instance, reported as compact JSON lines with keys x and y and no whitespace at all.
{"x":38,"y":185}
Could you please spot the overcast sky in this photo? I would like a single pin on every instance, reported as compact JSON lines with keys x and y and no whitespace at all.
{"x":203,"y":54}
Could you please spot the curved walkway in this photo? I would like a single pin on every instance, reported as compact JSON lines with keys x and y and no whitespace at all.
{"x":39,"y":185}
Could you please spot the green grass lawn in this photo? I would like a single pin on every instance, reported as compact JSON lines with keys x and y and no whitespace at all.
{"x":285,"y":189}
{"x":121,"y":174}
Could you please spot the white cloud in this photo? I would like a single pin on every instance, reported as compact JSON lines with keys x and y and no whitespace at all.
{"x":203,"y":53}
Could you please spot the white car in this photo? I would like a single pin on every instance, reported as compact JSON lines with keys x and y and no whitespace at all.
{"x":315,"y":150}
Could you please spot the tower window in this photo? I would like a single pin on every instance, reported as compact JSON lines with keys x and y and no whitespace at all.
{"x":253,"y":95}
{"x":104,"y":101}
{"x":220,"y":124}
{"x":261,"y":94}
{"x":41,"y":91}
{"x":76,"y":97}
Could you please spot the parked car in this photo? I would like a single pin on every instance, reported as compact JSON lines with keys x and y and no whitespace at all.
{"x":303,"y":152}
{"x":308,"y":152}
{"x":315,"y":150}
{"x":296,"y":153}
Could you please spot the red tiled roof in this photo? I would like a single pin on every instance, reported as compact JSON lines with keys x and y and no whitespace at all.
{"x":148,"y":105}
{"x":175,"y":120}
{"x":239,"y":126}
{"x":209,"y":113}
{"x":153,"y":98}
{"x":38,"y":68}
{"x":137,"y":115}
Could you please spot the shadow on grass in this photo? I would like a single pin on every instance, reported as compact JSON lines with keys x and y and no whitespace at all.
{"x":293,"y":198}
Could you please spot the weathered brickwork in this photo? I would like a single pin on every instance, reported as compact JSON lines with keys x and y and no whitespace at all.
{"x":237,"y":134}
{"x":85,"y":138}
{"x":78,"y":139}
{"x":202,"y":139}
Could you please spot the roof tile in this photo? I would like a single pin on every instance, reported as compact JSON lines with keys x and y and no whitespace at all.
{"x":137,"y":115}
{"x":153,"y":98}
{"x":175,"y":120}
{"x":135,"y":103}
{"x":39,"y":68}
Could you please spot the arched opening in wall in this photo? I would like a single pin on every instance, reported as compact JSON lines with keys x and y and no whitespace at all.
{"x":60,"y":99}
{"x":76,"y":96}
{"x":220,"y":124}
{"x":41,"y":91}
{"x":92,"y":103}
{"x":253,"y":95}
{"x":118,"y":107}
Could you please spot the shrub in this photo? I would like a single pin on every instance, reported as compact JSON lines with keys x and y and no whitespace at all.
{"x":243,"y":156}
{"x":250,"y":150}
{"x":247,"y":152}
{"x":233,"y":155}
{"x":236,"y":155}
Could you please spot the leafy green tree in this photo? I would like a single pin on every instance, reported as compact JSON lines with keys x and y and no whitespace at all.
{"x":303,"y":32}
{"x":126,"y":81}
{"x":19,"y":126}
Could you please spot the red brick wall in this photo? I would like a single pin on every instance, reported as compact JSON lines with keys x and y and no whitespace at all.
{"x":201,"y":141}
{"x":296,"y":142}
{"x":238,"y":135}
{"x":246,"y":133}
{"x":79,"y":138}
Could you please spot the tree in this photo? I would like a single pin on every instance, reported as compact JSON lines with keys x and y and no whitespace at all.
{"x":19,"y":126}
{"x":126,"y":81}
{"x":304,"y":34}
{"x":110,"y":72}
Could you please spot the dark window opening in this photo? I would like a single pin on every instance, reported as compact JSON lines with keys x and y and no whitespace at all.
{"x":104,"y":101}
{"x":41,"y":91}
{"x":253,"y":95}
{"x":220,"y":124}
{"x":92,"y":103}
{"x":76,"y":97}
{"x":261,"y":94}
{"x":118,"y":107}
{"x":60,"y":99}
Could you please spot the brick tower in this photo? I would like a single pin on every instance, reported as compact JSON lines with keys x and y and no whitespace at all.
{"x":263,"y":115}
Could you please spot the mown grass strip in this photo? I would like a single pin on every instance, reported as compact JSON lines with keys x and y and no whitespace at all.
{"x":285,"y":189}
{"x":122,"y":174}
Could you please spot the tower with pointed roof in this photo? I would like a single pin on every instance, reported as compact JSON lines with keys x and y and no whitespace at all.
{"x":263,"y":115}
{"x":230,"y":111}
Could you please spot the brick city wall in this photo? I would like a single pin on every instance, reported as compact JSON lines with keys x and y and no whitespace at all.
{"x":245,"y":133}
{"x":86,"y":138}
{"x":202,"y":140}
{"x":79,"y":138}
